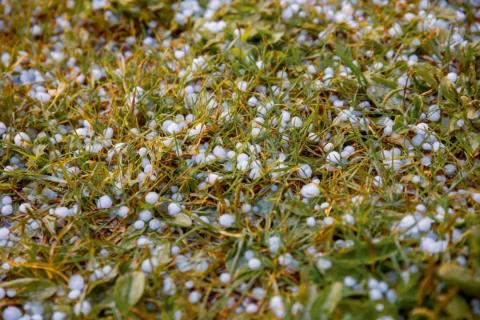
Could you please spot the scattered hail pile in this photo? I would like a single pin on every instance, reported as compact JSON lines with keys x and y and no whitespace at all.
{"x":239,"y":159}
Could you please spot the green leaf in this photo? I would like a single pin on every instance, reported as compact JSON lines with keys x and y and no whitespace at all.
{"x":299,"y":208}
{"x":457,"y":276}
{"x":369,"y":253}
{"x":182,"y":220}
{"x":383,"y":96}
{"x":327,"y":301}
{"x":427,"y":72}
{"x":128,"y":290}
{"x":458,"y":308}
{"x":448,"y":91}
{"x":32,"y":288}
{"x":359,"y":309}
{"x":163,"y":254}
{"x":346,"y":56}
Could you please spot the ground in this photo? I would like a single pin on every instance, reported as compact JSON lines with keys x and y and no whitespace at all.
{"x":239,"y":159}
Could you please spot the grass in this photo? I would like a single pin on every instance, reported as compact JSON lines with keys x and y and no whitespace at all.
{"x":172,"y":92}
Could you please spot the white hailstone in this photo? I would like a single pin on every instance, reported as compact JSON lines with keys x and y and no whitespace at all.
{"x":82,"y":308}
{"x":256,"y":132}
{"x":213,"y":178}
{"x":251,"y":308}
{"x":383,"y":286}
{"x":375,"y":294}
{"x":76,"y":282}
{"x":5,"y":58}
{"x":175,"y":250}
{"x":4,"y":232}
{"x":297,"y":122}
{"x":254,"y":263}
{"x":151,"y":197}
{"x":195,"y":131}
{"x":310,"y":190}
{"x":421,"y":208}
{"x":174,"y":209}
{"x":226,"y":220}
{"x":194,"y":297}
{"x":225,"y":277}
{"x":242,"y":164}
{"x":74,"y":294}
{"x":388,"y":130}
{"x":391,"y":296}
{"x":277,"y":306}
{"x":450,"y":169}
{"x":323,"y":264}
{"x":258,"y":293}
{"x":104,"y":202}
{"x":349,"y":281}
{"x":108,"y":133}
{"x":24,"y":207}
{"x":297,"y":308}
{"x":403,"y":81}
{"x":21,"y":139}
{"x":107,"y":269}
{"x":328,"y":221}
{"x":434,"y":114}
{"x":3,"y":128}
{"x":333,"y":157}
{"x":242,"y":86}
{"x":246,"y":207}
{"x":408,"y":224}
{"x":7,"y":210}
{"x":347,"y":151}
{"x":57,"y":56}
{"x":147,"y":265}
{"x":311,"y":222}
{"x":252,"y":101}
{"x":155,"y":224}
{"x":426,"y":161}
{"x":142,"y":152}
{"x":205,"y":219}
{"x":58,"y":315}
{"x":97,"y":73}
{"x":421,"y":128}
{"x":173,"y":128}
{"x":11,"y":313}
{"x":98,"y":4}
{"x":305,"y":171}
{"x":476,"y":197}
{"x":214,"y":26}
{"x":61,"y":212}
{"x":274,"y":244}
{"x":328,"y":147}
{"x":377,"y":181}
{"x":220,"y":153}
{"x":202,"y":186}
{"x":7,"y":200}
{"x":348,"y":219}
{"x":179,"y":54}
{"x":143,"y":241}
{"x":452,"y":76}
{"x":139,"y":224}
{"x":255,"y":173}
{"x":145,"y":215}
{"x":123,"y":211}
{"x":432,"y":246}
